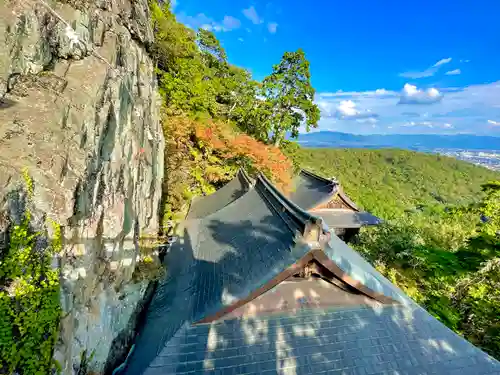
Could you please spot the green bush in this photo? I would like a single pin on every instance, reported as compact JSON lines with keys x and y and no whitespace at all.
{"x":29,"y":300}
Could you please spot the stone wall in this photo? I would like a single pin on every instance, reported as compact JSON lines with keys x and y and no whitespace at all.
{"x":79,"y":109}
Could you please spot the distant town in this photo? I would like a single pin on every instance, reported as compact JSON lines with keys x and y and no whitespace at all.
{"x":488,"y":159}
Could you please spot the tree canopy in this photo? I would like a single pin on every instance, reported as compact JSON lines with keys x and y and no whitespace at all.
{"x":291,"y":96}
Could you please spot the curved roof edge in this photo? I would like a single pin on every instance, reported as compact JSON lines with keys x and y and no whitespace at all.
{"x":245,"y":178}
{"x":327,"y":262}
{"x":341,"y":193}
{"x":203,"y":206}
{"x":301,"y":216}
{"x":314,"y":175}
{"x":339,"y":190}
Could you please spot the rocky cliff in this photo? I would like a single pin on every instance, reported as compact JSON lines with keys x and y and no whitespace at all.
{"x":79,"y":111}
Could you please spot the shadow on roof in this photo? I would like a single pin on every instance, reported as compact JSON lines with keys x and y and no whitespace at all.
{"x":222,"y":258}
{"x":216,"y":262}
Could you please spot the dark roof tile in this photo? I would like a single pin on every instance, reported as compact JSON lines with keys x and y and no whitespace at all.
{"x":437,"y":350}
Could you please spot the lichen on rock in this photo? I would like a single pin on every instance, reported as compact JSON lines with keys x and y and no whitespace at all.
{"x":79,"y":109}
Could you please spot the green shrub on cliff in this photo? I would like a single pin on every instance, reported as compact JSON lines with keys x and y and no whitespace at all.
{"x":29,"y":300}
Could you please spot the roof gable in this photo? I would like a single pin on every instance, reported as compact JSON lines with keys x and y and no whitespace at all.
{"x":223,"y":258}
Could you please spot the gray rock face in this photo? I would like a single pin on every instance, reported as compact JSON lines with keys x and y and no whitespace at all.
{"x":79,"y":109}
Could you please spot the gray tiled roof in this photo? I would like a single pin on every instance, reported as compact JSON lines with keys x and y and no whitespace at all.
{"x":220,"y":259}
{"x":336,"y":218}
{"x":204,"y":206}
{"x":364,"y":340}
{"x":311,"y":190}
{"x":223,"y":257}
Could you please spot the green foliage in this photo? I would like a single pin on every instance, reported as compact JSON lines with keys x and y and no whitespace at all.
{"x":194,"y":75}
{"x":28,"y":182}
{"x":211,"y":50}
{"x":290,"y":94}
{"x":436,"y":259}
{"x":440,"y":240}
{"x":208,"y":103}
{"x":29,"y":300}
{"x":181,"y":70}
{"x":477,"y":298}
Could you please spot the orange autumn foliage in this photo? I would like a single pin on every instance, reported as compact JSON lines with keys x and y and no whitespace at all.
{"x":201,"y":156}
{"x":245,"y":151}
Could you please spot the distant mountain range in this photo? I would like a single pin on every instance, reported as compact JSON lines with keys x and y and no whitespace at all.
{"x":417,"y":142}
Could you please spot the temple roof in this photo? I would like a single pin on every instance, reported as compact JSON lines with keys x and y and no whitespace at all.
{"x":229,"y":263}
{"x":311,"y":190}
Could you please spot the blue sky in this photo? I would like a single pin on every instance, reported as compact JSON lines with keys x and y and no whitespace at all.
{"x":406,"y":67}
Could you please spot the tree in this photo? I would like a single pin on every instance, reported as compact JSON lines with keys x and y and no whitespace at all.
{"x":211,"y":48}
{"x":288,"y":89}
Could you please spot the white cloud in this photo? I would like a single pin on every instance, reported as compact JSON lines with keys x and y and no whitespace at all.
{"x":464,"y":61}
{"x":350,"y":94}
{"x":347,"y":110}
{"x":429,"y":72}
{"x":454,"y":72}
{"x":415,"y":75}
{"x":382,"y":92}
{"x":241,"y":40}
{"x":230,"y":23}
{"x":471,"y":109}
{"x":442,"y":62}
{"x":370,"y":120}
{"x":202,"y":21}
{"x":412,"y":95}
{"x":252,"y":15}
{"x":272,"y":27}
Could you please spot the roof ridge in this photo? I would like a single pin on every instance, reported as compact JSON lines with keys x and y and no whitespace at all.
{"x":301,"y":216}
{"x":245,"y":178}
{"x":339,"y":189}
{"x":318,"y":177}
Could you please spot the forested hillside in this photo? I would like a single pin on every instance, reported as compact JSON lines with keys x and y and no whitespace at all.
{"x":391,"y":182}
{"x":440,"y":242}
